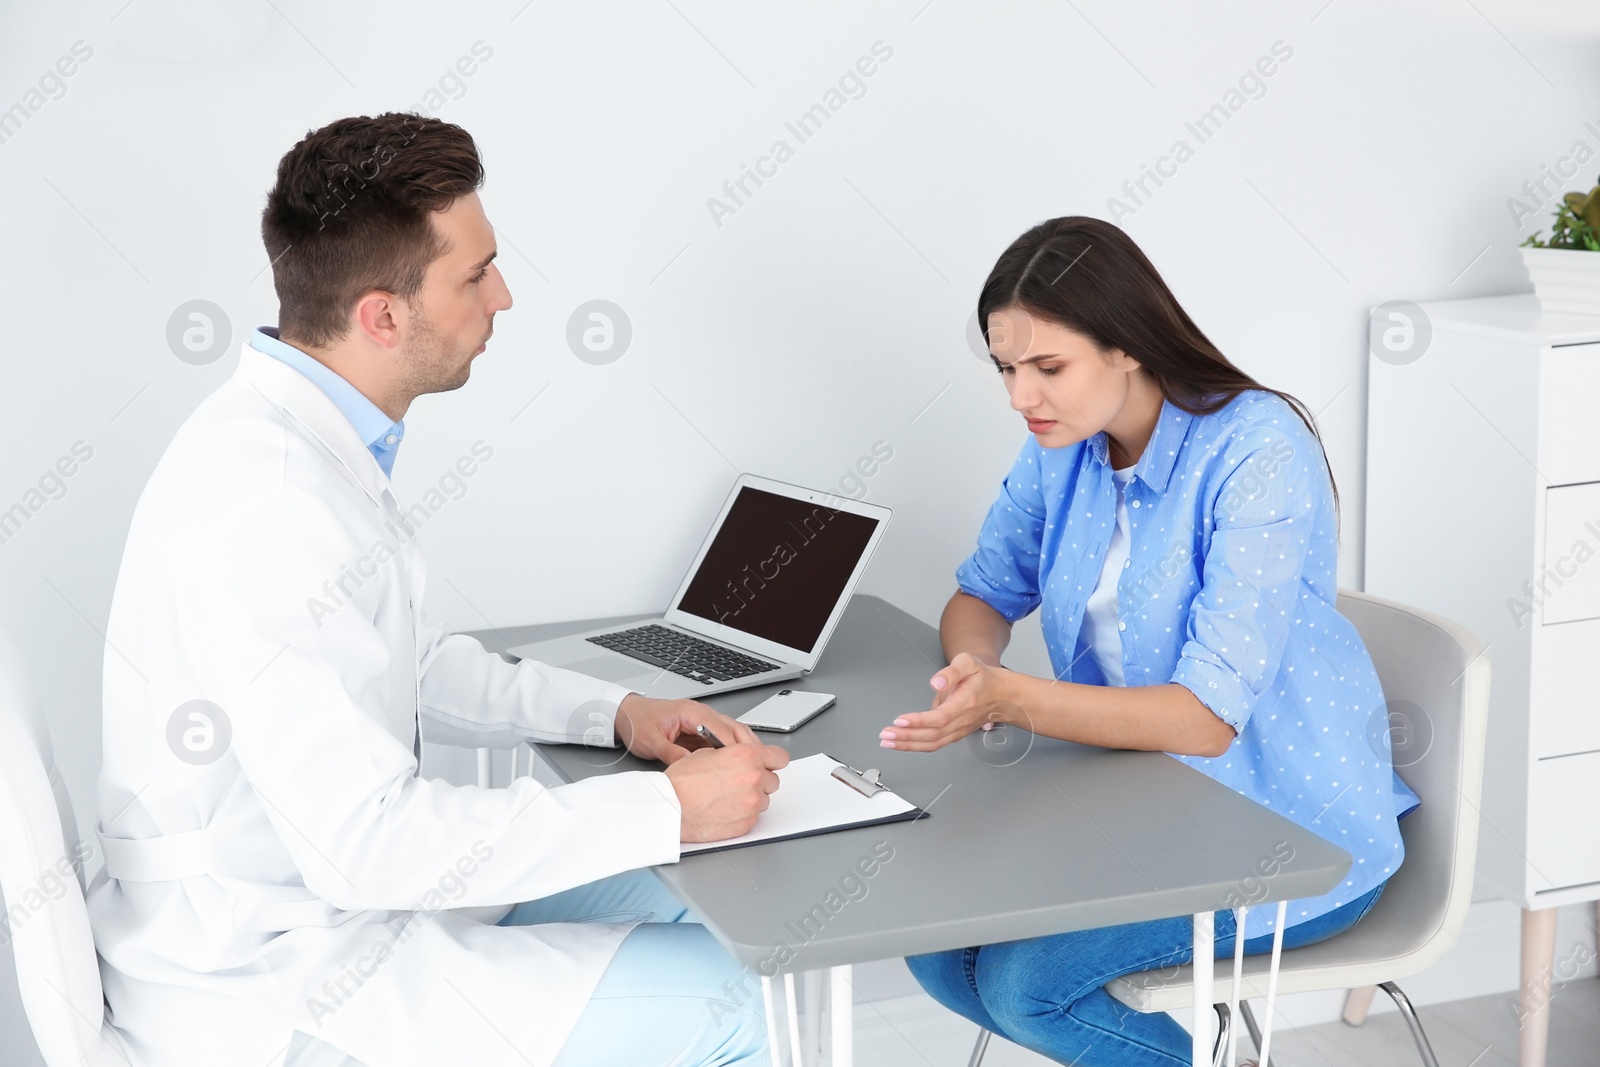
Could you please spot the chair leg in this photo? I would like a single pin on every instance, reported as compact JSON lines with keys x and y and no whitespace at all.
{"x":1224,"y":1023}
{"x":980,"y":1048}
{"x":1401,"y":1001}
{"x":1356,"y":1004}
{"x":1252,"y":1027}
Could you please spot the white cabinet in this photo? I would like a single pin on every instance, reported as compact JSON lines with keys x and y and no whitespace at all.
{"x":1569,"y":431}
{"x":1483,"y":504}
{"x":1571,"y":541}
{"x":1563,"y":796}
{"x":1564,"y":697}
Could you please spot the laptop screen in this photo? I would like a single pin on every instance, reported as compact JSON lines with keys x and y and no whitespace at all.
{"x":777,"y":567}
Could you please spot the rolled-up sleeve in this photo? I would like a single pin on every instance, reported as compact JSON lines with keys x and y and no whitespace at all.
{"x":1003,"y":571}
{"x":1242,"y":617}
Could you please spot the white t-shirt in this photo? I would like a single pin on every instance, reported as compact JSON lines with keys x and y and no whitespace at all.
{"x":1101,"y":627}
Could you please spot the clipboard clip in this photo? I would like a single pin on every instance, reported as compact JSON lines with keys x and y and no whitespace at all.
{"x":867,"y":783}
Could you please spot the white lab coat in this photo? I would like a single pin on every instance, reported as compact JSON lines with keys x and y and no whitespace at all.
{"x":308,"y":878}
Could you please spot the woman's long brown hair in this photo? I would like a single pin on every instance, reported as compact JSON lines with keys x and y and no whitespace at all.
{"x":1089,"y":276}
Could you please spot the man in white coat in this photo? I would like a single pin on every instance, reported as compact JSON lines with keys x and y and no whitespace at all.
{"x":284,"y":887}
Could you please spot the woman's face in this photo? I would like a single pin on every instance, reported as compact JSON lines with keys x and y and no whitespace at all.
{"x":1064,"y":386}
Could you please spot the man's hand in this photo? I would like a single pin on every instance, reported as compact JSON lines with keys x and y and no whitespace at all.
{"x":665,"y":729}
{"x":968,"y":695}
{"x":722,"y":790}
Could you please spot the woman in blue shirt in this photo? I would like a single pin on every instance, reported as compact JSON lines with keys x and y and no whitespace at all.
{"x":1176,"y":524}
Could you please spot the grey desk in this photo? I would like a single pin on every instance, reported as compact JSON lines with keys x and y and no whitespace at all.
{"x":1024,"y":836}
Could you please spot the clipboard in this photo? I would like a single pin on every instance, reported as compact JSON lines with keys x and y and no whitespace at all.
{"x":819,"y":795}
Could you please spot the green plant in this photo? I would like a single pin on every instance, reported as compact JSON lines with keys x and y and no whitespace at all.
{"x":1577,"y":223}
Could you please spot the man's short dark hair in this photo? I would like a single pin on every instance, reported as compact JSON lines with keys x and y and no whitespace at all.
{"x":350,"y":213}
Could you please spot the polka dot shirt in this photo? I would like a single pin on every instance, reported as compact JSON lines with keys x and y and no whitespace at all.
{"x":1228,"y":589}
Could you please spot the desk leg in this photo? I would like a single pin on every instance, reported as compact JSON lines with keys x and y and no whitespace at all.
{"x":811,"y":1015}
{"x":790,"y":1005}
{"x":774,"y":1049}
{"x":1204,"y":950}
{"x":841,"y":1019}
{"x":841,"y":1009}
{"x":1234,"y":1025}
{"x":1272,"y":980}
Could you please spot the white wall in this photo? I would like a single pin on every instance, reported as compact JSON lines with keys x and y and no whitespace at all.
{"x":828,"y":312}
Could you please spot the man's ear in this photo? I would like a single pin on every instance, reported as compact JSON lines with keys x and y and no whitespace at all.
{"x":376,"y":316}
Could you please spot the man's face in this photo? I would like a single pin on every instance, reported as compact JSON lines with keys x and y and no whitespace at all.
{"x":452,"y":318}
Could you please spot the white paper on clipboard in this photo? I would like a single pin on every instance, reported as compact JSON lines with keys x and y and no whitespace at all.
{"x":810,"y":800}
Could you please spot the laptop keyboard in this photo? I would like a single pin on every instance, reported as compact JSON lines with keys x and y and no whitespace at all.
{"x":679,"y":653}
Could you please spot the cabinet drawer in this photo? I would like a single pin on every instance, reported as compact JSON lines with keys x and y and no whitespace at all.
{"x":1569,"y":432}
{"x":1564,"y":688}
{"x":1564,"y":822}
{"x":1568,"y":575}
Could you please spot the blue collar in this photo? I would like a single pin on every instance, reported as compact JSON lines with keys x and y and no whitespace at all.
{"x":381,"y":434}
{"x":1155,"y":465}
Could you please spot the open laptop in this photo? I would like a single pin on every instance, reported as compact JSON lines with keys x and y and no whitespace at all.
{"x":763,"y":595}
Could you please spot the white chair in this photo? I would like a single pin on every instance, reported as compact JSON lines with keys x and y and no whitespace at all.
{"x":1437,"y":668}
{"x":42,"y":878}
{"x":42,"y":872}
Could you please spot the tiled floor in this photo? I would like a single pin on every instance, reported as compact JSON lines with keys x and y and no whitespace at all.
{"x":915,"y":1032}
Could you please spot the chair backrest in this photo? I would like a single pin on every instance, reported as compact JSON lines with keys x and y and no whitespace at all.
{"x":1435,"y":677}
{"x":42,"y":868}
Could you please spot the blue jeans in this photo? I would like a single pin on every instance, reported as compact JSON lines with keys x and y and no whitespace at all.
{"x":1047,"y":993}
{"x":671,"y":994}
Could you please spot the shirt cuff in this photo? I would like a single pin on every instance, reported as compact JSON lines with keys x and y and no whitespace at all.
{"x":1011,"y":606}
{"x":1218,"y":688}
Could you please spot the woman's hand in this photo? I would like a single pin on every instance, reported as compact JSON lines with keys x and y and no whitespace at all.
{"x":968,"y":695}
{"x":665,"y":729}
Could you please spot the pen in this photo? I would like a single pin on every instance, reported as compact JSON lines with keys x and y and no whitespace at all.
{"x":709,"y":736}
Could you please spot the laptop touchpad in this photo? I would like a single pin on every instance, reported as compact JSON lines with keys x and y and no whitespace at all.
{"x":610,"y":668}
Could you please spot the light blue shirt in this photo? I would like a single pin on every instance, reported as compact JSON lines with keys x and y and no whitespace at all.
{"x":1228,"y":590}
{"x":381,"y":434}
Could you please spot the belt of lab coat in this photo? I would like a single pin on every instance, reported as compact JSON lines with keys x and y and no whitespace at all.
{"x":171,"y":857}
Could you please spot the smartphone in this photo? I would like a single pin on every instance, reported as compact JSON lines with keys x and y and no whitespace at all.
{"x":786,"y":710}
